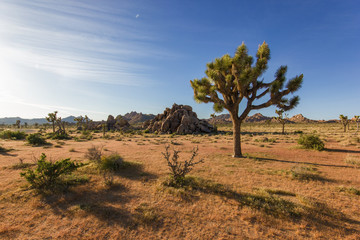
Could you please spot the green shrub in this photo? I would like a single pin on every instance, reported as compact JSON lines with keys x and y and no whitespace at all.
{"x":311,"y":141}
{"x":16,"y":135}
{"x":36,"y":139}
{"x":59,"y":136}
{"x":113,"y":162}
{"x":48,"y":175}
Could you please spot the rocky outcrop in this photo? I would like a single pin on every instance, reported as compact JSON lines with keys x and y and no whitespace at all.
{"x":179,"y":119}
{"x":118,"y":123}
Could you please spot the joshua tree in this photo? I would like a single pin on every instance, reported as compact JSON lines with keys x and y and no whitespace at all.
{"x":61,"y":126}
{"x":79,"y":121}
{"x":52,"y":118}
{"x":281,"y":118}
{"x":344,"y":121}
{"x":213,"y":116}
{"x":236,"y":79}
{"x":17,"y":124}
{"x":357,"y":122}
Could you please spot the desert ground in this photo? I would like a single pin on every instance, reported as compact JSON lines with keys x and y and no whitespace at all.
{"x":278,"y":191}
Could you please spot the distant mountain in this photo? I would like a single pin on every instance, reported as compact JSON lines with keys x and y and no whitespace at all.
{"x":135,"y":117}
{"x":12,"y":120}
{"x":257,"y":117}
{"x":299,"y":118}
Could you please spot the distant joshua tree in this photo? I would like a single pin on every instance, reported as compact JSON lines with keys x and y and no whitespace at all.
{"x":344,"y":121}
{"x":17,"y":124}
{"x":213,"y":116}
{"x":357,"y":122}
{"x":233,"y":79}
{"x":79,"y":121}
{"x":52,"y":118}
{"x":281,"y":118}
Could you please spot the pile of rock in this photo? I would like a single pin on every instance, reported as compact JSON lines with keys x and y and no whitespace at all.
{"x":179,"y":119}
{"x":118,"y":123}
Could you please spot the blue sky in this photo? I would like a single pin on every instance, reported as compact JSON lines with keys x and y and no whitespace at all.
{"x":111,"y":57}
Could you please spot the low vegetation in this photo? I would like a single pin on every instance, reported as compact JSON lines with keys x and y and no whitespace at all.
{"x":311,"y":141}
{"x":49,"y":175}
{"x":13,"y":135}
{"x":36,"y":139}
{"x":179,"y":169}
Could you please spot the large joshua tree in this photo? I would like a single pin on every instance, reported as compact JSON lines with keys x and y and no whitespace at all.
{"x":230,"y":80}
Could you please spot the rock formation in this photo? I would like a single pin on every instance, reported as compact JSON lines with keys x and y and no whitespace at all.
{"x":299,"y":118}
{"x":179,"y":119}
{"x":117,"y":123}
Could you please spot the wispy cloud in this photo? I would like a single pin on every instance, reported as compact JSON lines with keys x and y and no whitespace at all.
{"x":7,"y":97}
{"x":77,"y":40}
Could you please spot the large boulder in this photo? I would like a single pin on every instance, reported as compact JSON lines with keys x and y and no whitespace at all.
{"x":179,"y":119}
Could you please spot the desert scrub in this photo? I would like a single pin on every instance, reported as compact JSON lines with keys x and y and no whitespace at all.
{"x":178,"y":169}
{"x":311,"y":141}
{"x":36,"y":139}
{"x":14,"y":135}
{"x":353,"y":160}
{"x":94,"y":153}
{"x":301,"y":172}
{"x":59,"y":136}
{"x":350,"y":190}
{"x":49,"y":175}
{"x":113,"y":162}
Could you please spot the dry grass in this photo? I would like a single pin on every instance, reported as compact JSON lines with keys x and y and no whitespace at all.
{"x":276,"y":192}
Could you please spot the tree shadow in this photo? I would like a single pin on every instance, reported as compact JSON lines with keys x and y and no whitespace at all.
{"x":135,"y":171}
{"x":98,"y":203}
{"x":297,"y":162}
{"x":303,"y":209}
{"x":340,"y":150}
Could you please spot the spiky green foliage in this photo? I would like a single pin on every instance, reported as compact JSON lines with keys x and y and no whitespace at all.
{"x":230,"y":80}
{"x":236,"y":79}
{"x":47,"y":175}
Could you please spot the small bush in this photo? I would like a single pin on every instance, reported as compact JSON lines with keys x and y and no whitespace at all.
{"x":47,"y":175}
{"x":36,"y":139}
{"x":311,"y":142}
{"x":180,"y":169}
{"x":59,"y":136}
{"x":16,"y":135}
{"x":94,"y":153}
{"x":305,"y":173}
{"x":113,"y":162}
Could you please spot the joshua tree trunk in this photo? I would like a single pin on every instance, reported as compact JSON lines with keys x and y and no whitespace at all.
{"x":236,"y":135}
{"x":53,"y":124}
{"x":283,"y":128}
{"x":344,"y":128}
